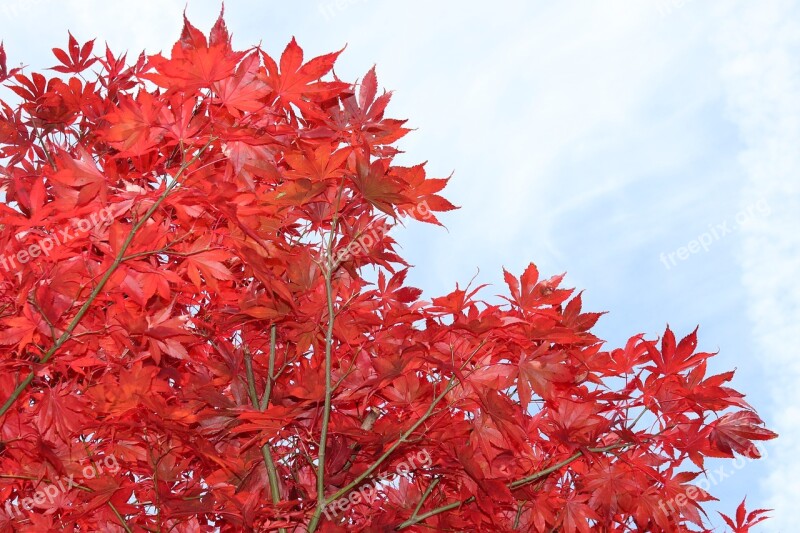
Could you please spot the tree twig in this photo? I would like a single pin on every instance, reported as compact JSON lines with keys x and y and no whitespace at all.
{"x":67,"y":335}
{"x":266,"y":449}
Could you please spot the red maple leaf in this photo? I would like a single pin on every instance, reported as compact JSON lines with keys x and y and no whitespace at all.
{"x":78,"y":59}
{"x":744,"y":520}
{"x":239,"y":332}
{"x":298,"y":84}
{"x":5,"y":73}
{"x":735,"y":432}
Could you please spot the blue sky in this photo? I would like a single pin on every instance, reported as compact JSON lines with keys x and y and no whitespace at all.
{"x":595,"y":138}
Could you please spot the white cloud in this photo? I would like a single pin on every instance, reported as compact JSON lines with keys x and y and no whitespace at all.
{"x":760,"y":46}
{"x":585,"y":136}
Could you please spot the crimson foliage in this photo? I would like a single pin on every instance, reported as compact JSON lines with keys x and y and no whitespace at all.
{"x":183,"y":300}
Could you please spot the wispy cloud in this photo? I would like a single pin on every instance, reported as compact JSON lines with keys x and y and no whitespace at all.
{"x":759,"y":45}
{"x":586,"y":136}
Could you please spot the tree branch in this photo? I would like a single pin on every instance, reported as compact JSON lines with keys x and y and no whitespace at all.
{"x":266,"y":450}
{"x":271,"y":369}
{"x":99,"y":287}
{"x":404,"y":436}
{"x":514,"y":485}
{"x":326,"y":412}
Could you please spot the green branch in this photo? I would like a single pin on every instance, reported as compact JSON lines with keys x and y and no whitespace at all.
{"x":514,"y":485}
{"x":266,"y":450}
{"x":67,"y":335}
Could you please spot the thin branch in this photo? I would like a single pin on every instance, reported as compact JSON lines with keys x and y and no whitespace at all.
{"x":389,"y":451}
{"x":251,"y":386}
{"x":425,"y":496}
{"x":119,"y":516}
{"x":67,"y":335}
{"x":266,"y":450}
{"x":326,"y":412}
{"x":520,"y":507}
{"x":514,"y":485}
{"x":270,"y":370}
{"x":403,"y":436}
{"x":44,"y":148}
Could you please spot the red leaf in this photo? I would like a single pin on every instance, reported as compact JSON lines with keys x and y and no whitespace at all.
{"x":78,"y":58}
{"x":299,"y":84}
{"x":744,"y":521}
{"x":4,"y":72}
{"x":734,"y":432}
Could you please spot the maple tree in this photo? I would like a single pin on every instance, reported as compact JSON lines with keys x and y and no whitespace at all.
{"x":214,"y":333}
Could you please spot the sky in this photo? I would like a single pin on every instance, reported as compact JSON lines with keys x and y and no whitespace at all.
{"x":650,"y":149}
